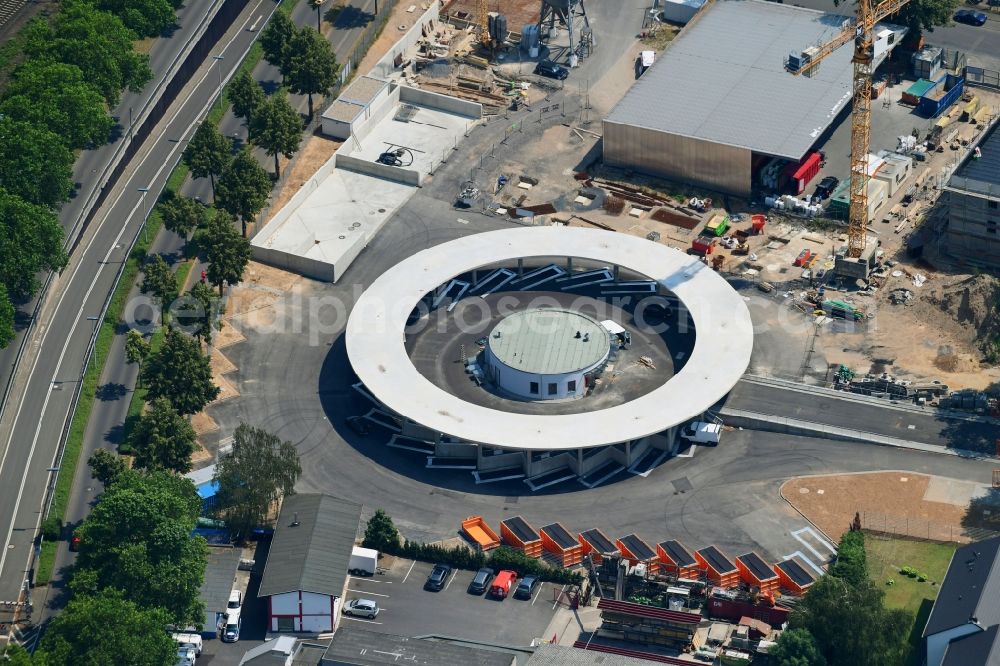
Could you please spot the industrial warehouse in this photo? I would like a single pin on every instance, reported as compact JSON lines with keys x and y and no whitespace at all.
{"x":720,"y":108}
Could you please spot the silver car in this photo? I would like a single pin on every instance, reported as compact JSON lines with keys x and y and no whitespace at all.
{"x":362,"y":608}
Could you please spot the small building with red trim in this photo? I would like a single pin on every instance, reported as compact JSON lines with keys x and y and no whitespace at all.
{"x":306,"y":570}
{"x":719,"y":570}
{"x":755,"y":572}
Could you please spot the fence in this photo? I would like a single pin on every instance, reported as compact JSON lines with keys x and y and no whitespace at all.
{"x":360,"y":48}
{"x":920,"y":529}
{"x":987,"y":78}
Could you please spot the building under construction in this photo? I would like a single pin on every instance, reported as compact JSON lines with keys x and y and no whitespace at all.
{"x":719,"y":109}
{"x":973,"y":196}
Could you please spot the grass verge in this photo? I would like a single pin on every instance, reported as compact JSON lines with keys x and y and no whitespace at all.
{"x":885,"y":559}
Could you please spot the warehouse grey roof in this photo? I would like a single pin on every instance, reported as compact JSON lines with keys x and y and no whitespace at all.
{"x":561,"y":655}
{"x":311,"y":546}
{"x":723,"y":80}
{"x":220,"y":573}
{"x":360,"y":647}
{"x":971,"y":589}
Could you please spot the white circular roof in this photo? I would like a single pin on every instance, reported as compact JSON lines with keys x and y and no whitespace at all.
{"x":549,"y":341}
{"x":376,"y":342}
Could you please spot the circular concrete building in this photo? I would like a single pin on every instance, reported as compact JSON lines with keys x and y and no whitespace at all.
{"x":546,"y":353}
{"x":456,"y":406}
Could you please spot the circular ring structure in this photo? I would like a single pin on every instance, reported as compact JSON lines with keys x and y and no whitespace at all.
{"x":375,"y":340}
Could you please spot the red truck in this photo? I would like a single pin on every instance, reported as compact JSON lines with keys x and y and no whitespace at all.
{"x":502,"y":584}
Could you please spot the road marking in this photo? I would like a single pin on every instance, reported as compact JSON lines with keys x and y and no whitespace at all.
{"x":558,"y":597}
{"x":454,"y":575}
{"x":374,"y":594}
{"x":370,"y":580}
{"x":93,"y":283}
{"x":689,"y":453}
{"x":463,"y":221}
{"x":412,"y":564}
{"x":358,"y":619}
{"x":805,"y":543}
{"x":805,"y":559}
{"x":537,"y":594}
{"x":811,"y":532}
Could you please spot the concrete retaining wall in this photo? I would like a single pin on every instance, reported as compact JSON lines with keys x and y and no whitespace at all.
{"x":536,"y":467}
{"x":501,"y":461}
{"x":318,"y":270}
{"x":397,"y":174}
{"x":440,"y":102}
{"x":455,"y":450}
{"x":384,"y":67}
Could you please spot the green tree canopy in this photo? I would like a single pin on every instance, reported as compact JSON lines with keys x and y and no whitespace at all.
{"x":138,"y":540}
{"x":260,"y":469}
{"x":312,"y":66}
{"x":35,"y":164}
{"x":147,"y":18}
{"x":159,"y":281}
{"x":6,"y":318}
{"x":182,"y":215}
{"x":56,"y":96}
{"x":228,"y":252}
{"x":246,"y":95}
{"x":277,"y":128}
{"x":180,"y":372}
{"x":105,"y":629}
{"x":162,"y":439}
{"x":106,"y":466}
{"x":30,"y":242}
{"x":851,"y":564}
{"x":136,"y":349}
{"x":381,"y":534}
{"x":243,"y":188}
{"x":199,"y":312}
{"x":276,"y":41}
{"x":920,"y":15}
{"x":95,"y":41}
{"x":796,"y":647}
{"x":208,"y":153}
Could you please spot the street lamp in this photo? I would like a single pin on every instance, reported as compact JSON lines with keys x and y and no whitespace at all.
{"x":218,"y":60}
{"x":145,"y":214}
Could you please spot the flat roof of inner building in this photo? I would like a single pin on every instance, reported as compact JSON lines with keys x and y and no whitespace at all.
{"x":986,"y":168}
{"x":549,"y":341}
{"x":723,"y":80}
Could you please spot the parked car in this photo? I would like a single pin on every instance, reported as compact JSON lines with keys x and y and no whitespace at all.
{"x":362,"y":608}
{"x":502,"y":584}
{"x":481,"y":581}
{"x":826,"y":187}
{"x":74,"y":542}
{"x":526,"y":588}
{"x":438,"y":578}
{"x":970,"y":17}
{"x":551,"y":70}
{"x":231,"y":630}
{"x":188,"y":639}
{"x":186,"y":656}
{"x":235,"y":600}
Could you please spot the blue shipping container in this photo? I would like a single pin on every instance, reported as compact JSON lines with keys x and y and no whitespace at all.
{"x":947,"y":89}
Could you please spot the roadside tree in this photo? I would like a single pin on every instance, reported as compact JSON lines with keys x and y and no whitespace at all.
{"x":106,"y":628}
{"x":258,"y":471}
{"x":312,"y":66}
{"x":6,"y":318}
{"x":160,"y":282}
{"x":920,"y":15}
{"x":381,"y":534}
{"x":198,"y":313}
{"x":228,"y":252}
{"x":243,"y":188}
{"x":246,"y":96}
{"x":181,"y":373}
{"x":276,"y":42}
{"x":136,"y":350}
{"x":106,"y":466}
{"x":35,"y":164}
{"x":56,"y":96}
{"x":208,"y":153}
{"x":277,"y":128}
{"x":162,"y":439}
{"x":31,"y":241}
{"x":148,"y":18}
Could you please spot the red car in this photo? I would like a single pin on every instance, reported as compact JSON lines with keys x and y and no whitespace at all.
{"x":74,"y":543}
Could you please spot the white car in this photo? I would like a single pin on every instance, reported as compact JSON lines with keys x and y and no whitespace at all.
{"x":188,"y":639}
{"x":362,"y":608}
{"x":186,"y":656}
{"x":235,"y":600}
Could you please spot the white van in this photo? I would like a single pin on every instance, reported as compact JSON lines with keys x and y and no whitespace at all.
{"x":700,"y":432}
{"x":187,"y":639}
{"x":231,"y":629}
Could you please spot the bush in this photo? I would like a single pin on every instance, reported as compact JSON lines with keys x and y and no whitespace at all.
{"x":52,"y":528}
{"x":381,"y":533}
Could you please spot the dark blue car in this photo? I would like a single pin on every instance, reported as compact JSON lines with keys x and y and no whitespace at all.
{"x":970,"y":17}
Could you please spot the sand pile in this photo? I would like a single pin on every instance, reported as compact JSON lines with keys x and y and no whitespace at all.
{"x":973,"y":302}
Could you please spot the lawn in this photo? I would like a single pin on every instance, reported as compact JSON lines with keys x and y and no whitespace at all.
{"x":886,"y":557}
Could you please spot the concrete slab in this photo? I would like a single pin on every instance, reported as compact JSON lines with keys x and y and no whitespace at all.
{"x":429,"y":135}
{"x":954,"y":491}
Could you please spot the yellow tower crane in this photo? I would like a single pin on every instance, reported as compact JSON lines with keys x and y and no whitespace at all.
{"x":862,"y":31}
{"x":484,"y":23}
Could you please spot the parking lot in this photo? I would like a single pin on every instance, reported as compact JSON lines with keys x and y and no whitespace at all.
{"x":409,"y":610}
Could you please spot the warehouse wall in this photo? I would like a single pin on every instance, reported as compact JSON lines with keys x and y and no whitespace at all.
{"x":682,"y":159}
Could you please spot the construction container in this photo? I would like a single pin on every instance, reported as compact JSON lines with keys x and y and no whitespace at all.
{"x":755,"y":572}
{"x":757,"y":223}
{"x":676,"y":560}
{"x":717,"y":567}
{"x":729,"y":605}
{"x":596,"y":544}
{"x":913,"y":94}
{"x":717,"y":225}
{"x":647,"y":625}
{"x":558,"y":541}
{"x":703,"y":245}
{"x":800,"y":175}
{"x":637,"y":551}
{"x":794,"y":577}
{"x":946,"y":90}
{"x":518,"y":534}
{"x":927,"y":62}
{"x":479,"y":532}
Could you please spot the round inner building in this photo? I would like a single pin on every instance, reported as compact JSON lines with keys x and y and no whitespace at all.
{"x":546,"y":353}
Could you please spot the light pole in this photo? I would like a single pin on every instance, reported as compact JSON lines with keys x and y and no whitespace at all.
{"x":218,"y":61}
{"x":145,"y":214}
{"x":130,"y":134}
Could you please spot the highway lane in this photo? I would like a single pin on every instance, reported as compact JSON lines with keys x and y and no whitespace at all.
{"x":90,"y":164}
{"x":43,"y":408}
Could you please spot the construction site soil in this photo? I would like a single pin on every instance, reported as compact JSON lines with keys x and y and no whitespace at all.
{"x":518,"y":12}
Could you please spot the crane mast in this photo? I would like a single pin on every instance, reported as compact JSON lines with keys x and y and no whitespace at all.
{"x":863,"y":33}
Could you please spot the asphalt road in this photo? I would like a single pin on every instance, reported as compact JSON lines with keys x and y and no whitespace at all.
{"x":91,"y":163}
{"x":38,"y":409}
